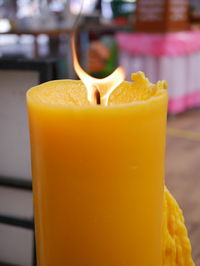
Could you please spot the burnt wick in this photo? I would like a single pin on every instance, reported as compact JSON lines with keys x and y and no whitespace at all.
{"x":97,"y":96}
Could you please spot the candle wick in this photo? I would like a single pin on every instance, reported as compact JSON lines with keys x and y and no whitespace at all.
{"x":97,"y":96}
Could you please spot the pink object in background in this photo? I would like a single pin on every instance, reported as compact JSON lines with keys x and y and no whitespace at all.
{"x":174,"y":57}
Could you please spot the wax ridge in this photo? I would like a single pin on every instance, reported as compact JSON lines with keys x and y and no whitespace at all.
{"x":73,"y":92}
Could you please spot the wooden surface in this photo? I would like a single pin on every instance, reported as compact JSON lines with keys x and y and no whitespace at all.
{"x":183,"y":171}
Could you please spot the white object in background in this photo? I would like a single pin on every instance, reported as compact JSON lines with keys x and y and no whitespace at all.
{"x":136,"y":64}
{"x":194,"y":99}
{"x":150,"y":68}
{"x":191,"y":77}
{"x":5,"y":25}
{"x":12,"y":44}
{"x":130,"y":63}
{"x":125,"y":61}
{"x":197,"y":71}
{"x":165,"y":70}
{"x":16,"y":202}
{"x":178,"y":86}
{"x":14,"y":136}
{"x":16,"y":245}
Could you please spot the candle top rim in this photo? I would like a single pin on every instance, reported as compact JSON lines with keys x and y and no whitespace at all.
{"x":72,"y":93}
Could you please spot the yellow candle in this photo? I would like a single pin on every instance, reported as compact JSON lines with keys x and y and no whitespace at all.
{"x":98,"y":174}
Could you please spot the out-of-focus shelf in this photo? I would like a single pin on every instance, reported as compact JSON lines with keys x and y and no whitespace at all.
{"x":86,"y":27}
{"x":107,"y":27}
{"x":54,"y":32}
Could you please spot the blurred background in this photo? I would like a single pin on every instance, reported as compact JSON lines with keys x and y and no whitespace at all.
{"x":159,"y":37}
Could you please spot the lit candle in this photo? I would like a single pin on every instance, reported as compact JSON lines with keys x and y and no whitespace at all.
{"x":98,"y":162}
{"x":98,"y":171}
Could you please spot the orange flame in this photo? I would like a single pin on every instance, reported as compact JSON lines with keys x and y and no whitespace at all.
{"x":92,"y":84}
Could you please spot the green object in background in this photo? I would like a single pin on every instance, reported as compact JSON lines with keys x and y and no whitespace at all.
{"x":123,"y":8}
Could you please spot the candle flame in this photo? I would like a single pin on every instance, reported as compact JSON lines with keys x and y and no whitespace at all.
{"x":93,"y":84}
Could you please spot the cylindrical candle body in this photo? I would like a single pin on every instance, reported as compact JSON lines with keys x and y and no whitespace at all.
{"x":98,"y":182}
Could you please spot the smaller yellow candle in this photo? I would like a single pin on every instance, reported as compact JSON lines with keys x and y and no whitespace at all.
{"x":176,"y":244}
